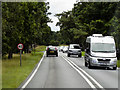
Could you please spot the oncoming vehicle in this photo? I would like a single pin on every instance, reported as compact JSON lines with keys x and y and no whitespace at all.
{"x":74,"y":49}
{"x":100,"y":51}
{"x":51,"y":50}
{"x":61,"y":48}
{"x":65,"y":49}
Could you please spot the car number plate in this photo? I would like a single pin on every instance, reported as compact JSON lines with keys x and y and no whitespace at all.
{"x":51,"y":51}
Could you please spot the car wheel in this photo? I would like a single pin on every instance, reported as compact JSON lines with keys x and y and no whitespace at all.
{"x":68,"y":55}
{"x":85,"y":64}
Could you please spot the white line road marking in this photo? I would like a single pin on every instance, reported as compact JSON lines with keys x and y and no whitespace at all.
{"x":91,"y":85}
{"x":84,"y":73}
{"x":33,"y":72}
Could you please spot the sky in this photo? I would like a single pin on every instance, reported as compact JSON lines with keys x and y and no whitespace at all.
{"x":56,"y":7}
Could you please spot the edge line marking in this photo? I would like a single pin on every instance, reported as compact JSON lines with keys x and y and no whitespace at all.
{"x":33,"y":74}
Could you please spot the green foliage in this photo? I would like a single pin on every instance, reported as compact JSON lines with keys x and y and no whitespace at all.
{"x":118,"y":63}
{"x":24,"y":22}
{"x":87,"y":18}
{"x":12,"y":74}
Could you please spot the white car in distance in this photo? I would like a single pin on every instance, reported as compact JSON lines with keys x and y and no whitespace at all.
{"x":65,"y":49}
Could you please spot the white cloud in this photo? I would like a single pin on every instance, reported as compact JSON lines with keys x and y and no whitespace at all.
{"x":58,"y":6}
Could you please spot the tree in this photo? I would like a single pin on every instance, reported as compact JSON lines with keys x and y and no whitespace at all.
{"x":23,"y":22}
{"x":85,"y":19}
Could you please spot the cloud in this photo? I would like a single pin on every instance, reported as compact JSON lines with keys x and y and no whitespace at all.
{"x":58,"y":6}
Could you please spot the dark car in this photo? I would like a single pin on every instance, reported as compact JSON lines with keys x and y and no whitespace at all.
{"x":51,"y":50}
{"x":74,"y":49}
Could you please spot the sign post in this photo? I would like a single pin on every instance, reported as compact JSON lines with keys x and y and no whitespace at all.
{"x":20,"y":58}
{"x":20,"y":47}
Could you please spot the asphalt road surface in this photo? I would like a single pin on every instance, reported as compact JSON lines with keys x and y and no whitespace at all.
{"x":70,"y":72}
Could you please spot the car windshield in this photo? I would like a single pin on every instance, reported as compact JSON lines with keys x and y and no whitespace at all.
{"x":74,"y":47}
{"x":103,"y":47}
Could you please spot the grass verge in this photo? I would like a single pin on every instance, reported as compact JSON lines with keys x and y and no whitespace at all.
{"x":12,"y":74}
{"x":40,"y":48}
{"x":118,"y":63}
{"x":83,"y":53}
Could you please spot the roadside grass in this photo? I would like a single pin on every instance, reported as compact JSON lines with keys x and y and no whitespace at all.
{"x":118,"y":63}
{"x":83,"y":53}
{"x":12,"y":74}
{"x":40,"y":48}
{"x":63,"y":45}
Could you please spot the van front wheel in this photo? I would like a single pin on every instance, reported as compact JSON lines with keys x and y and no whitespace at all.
{"x":85,"y":64}
{"x":114,"y":68}
{"x":68,"y":55}
{"x":89,"y":66}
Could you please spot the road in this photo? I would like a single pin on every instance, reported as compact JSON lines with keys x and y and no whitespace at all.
{"x":70,"y":72}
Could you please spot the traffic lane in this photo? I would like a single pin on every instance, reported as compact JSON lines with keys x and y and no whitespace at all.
{"x":55,"y":72}
{"x":62,"y":75}
{"x":107,"y":78}
{"x":38,"y":81}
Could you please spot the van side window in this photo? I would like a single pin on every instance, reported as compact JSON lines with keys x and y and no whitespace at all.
{"x":88,"y":48}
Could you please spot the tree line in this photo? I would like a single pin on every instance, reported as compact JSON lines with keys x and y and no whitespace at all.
{"x":24,"y":22}
{"x":87,"y":18}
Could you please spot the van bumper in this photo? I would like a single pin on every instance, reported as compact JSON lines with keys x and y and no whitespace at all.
{"x":103,"y":63}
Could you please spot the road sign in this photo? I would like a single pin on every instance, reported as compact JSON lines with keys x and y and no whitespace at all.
{"x":20,"y":46}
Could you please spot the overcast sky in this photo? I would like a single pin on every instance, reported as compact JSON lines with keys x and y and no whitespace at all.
{"x":58,"y":6}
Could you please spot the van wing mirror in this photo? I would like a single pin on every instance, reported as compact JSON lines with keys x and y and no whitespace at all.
{"x":87,"y":50}
{"x":118,"y":51}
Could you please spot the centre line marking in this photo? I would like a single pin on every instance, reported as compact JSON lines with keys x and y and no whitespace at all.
{"x":78,"y":69}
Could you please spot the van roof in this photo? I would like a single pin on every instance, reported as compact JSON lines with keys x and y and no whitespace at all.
{"x":103,"y":39}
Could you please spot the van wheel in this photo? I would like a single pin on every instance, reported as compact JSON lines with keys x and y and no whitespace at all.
{"x":79,"y":55}
{"x":89,"y":66}
{"x":114,"y":68}
{"x":85,"y":64}
{"x":68,"y":55}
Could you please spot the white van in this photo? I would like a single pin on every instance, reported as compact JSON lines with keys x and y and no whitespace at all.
{"x":100,"y":51}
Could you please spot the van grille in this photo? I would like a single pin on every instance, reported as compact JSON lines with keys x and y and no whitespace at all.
{"x":103,"y":60}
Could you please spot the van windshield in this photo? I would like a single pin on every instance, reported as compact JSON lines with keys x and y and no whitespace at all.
{"x":103,"y":47}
